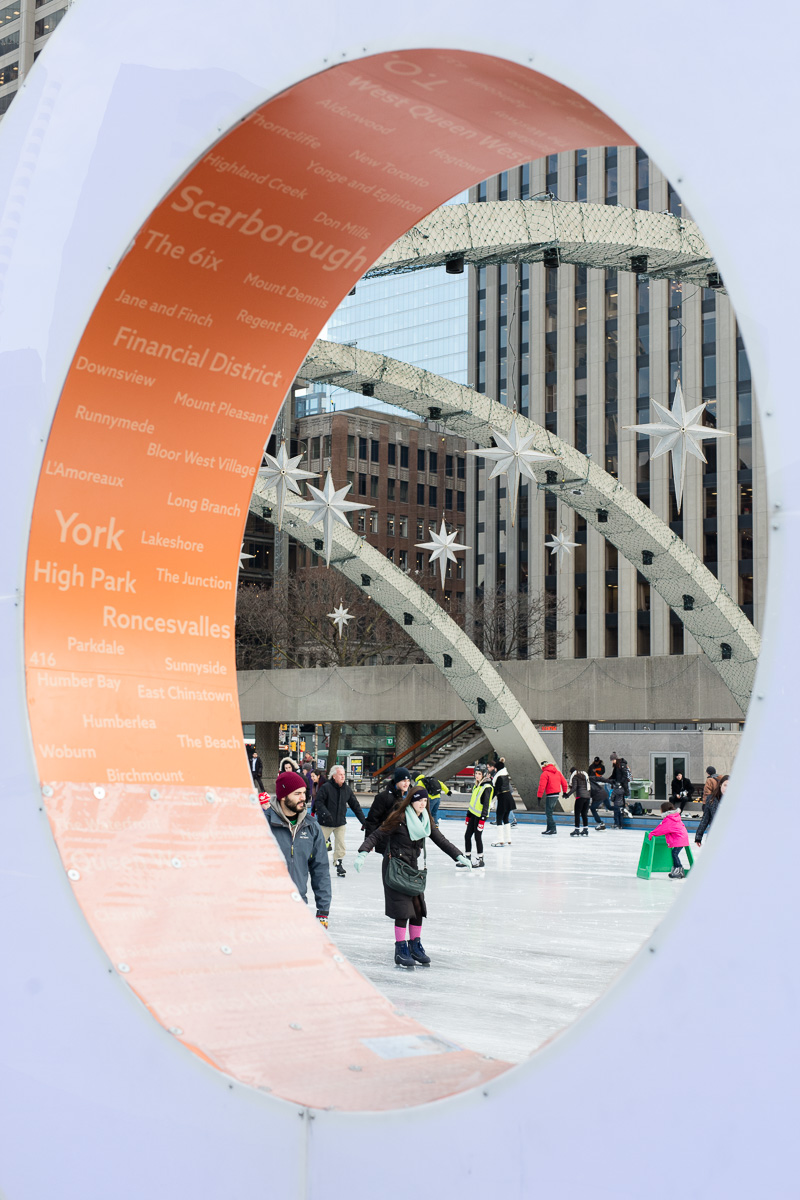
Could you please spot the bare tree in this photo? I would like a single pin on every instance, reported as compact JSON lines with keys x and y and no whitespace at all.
{"x":516,"y":625}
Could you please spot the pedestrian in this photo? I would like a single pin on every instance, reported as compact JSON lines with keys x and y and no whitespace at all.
{"x":288,"y":764}
{"x":477,"y":811}
{"x":501,"y":792}
{"x":580,"y":788}
{"x":598,"y":789}
{"x":680,"y":792}
{"x":332,"y":802}
{"x":710,"y":809}
{"x":710,"y":785}
{"x":597,"y":767}
{"x":301,"y":841}
{"x":256,"y":770}
{"x":387,"y":798}
{"x":620,"y":788}
{"x":400,"y":839}
{"x":318,"y":777}
{"x":436,"y":788}
{"x":551,"y":784}
{"x":672,"y":827}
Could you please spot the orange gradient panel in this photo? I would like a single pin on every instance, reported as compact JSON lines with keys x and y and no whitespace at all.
{"x":134,"y":549}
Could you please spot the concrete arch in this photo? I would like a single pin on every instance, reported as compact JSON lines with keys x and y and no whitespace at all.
{"x":589,"y":235}
{"x":471,"y":675}
{"x":719,"y":626}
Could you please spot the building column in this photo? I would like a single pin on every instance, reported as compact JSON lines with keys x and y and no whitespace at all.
{"x":575,"y":751}
{"x":267,"y":738}
{"x":406,"y":733}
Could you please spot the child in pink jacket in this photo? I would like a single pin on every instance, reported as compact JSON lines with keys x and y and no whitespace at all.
{"x":675,"y":832}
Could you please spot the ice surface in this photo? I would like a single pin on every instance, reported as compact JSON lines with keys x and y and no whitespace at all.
{"x":519,"y":949}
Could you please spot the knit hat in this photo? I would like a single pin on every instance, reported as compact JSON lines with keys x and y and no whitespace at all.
{"x":400,"y":773}
{"x":288,"y":782}
{"x":418,"y":792}
{"x":711,"y":770}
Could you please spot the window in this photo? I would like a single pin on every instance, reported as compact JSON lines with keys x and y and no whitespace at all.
{"x":390,"y":524}
{"x":581,"y":161}
{"x":611,"y":175}
{"x":421,"y":494}
{"x":362,"y":485}
{"x":460,"y":502}
{"x":448,"y":464}
{"x":351,"y":446}
{"x":373,"y":487}
{"x":420,"y":563}
{"x":12,"y":11}
{"x":402,"y":527}
{"x":390,"y":488}
{"x":461,"y":468}
{"x":432,"y":497}
{"x":11,"y":42}
{"x":5,"y":102}
{"x":9,"y":72}
{"x":420,"y":460}
{"x":404,"y":491}
{"x":326,"y":446}
{"x":47,"y":24}
{"x":392,"y":454}
{"x":404,"y":457}
{"x":373,"y":522}
{"x":433,"y":462}
{"x":448,"y":497}
{"x":362,"y":447}
{"x":676,"y":637}
{"x":375,"y":451}
{"x":402,"y":560}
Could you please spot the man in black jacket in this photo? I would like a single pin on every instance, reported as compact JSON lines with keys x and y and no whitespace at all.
{"x":385,"y":800}
{"x":330,"y":806}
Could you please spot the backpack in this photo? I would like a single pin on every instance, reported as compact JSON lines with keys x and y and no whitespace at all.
{"x":637,"y":810}
{"x":431,"y":785}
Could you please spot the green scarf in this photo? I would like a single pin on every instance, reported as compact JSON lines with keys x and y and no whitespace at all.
{"x":418,"y":826}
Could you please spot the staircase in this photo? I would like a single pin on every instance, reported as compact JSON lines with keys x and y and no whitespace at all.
{"x":443,"y":752}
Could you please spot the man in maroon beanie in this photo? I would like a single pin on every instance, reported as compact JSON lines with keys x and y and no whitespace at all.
{"x":301,"y":840}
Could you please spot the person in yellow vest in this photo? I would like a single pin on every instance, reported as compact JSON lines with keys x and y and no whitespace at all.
{"x":435,"y":788}
{"x":477,"y":811}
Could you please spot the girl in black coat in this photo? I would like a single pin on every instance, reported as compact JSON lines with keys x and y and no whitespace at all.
{"x":394,"y":839}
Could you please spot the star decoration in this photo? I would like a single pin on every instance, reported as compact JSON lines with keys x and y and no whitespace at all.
{"x":326,"y":508}
{"x":283,"y":473}
{"x":442,"y":546}
{"x":340,"y":616}
{"x":681,"y":433}
{"x":559,"y":546}
{"x":514,"y":458}
{"x":243,"y":556}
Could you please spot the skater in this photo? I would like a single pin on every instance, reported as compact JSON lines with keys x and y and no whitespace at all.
{"x":599,"y":796}
{"x":551,"y":784}
{"x":401,"y":837}
{"x":301,"y":841}
{"x":620,"y":789}
{"x":710,"y":809}
{"x":680,"y":792}
{"x":501,"y":792}
{"x":673,"y":828}
{"x":436,"y":788}
{"x":710,"y":785}
{"x":477,"y":811}
{"x":386,"y":799}
{"x":331,"y":804}
{"x":597,"y":768}
{"x":580,"y":787}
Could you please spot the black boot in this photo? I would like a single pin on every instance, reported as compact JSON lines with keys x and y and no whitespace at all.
{"x":417,"y":953}
{"x":585,"y":831}
{"x":576,"y":832}
{"x":340,"y":871}
{"x":402,"y":956}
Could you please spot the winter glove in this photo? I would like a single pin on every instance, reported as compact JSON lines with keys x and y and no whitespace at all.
{"x":466,"y":819}
{"x":481,"y":824}
{"x":358,"y":861}
{"x":323,"y":919}
{"x":463,"y":861}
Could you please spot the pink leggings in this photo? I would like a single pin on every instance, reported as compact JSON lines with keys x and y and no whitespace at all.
{"x":414,"y":931}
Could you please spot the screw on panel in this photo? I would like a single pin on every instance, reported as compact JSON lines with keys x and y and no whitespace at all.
{"x":295,"y":895}
{"x":73,"y":874}
{"x":46,"y":789}
{"x":176,"y":862}
{"x":354,"y":1068}
{"x":155,"y":794}
{"x":176,"y":1030}
{"x":210,"y":797}
{"x":226,"y":950}
{"x":294,"y":1025}
{"x":99,"y":793}
{"x":338,"y":958}
{"x":254,"y":799}
{"x":123,"y":968}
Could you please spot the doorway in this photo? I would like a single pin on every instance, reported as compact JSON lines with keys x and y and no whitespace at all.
{"x":663,"y":768}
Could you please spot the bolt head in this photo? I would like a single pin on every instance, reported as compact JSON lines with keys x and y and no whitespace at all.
{"x":123,"y":968}
{"x":155,"y":794}
{"x":176,"y":862}
{"x":46,"y":789}
{"x":99,"y":793}
{"x":176,"y":1030}
{"x":210,"y":797}
{"x":73,"y":873}
{"x":226,"y":950}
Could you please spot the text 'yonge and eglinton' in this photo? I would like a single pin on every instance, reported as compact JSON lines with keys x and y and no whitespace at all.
{"x":177,"y":381}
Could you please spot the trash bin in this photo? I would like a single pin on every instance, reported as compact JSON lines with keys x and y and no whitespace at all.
{"x":641,"y":789}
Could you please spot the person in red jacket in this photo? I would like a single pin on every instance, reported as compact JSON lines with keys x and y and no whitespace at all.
{"x":551,"y":784}
{"x":672,"y":827}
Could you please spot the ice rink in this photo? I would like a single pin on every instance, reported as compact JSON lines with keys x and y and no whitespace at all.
{"x":518,"y":949}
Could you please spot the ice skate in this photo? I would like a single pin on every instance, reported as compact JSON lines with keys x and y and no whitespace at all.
{"x":417,"y":953}
{"x":402,"y":956}
{"x":585,"y":831}
{"x":478,"y":862}
{"x":497,"y":844}
{"x":599,"y":827}
{"x":575,"y":833}
{"x":340,"y":871}
{"x":465,"y":866}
